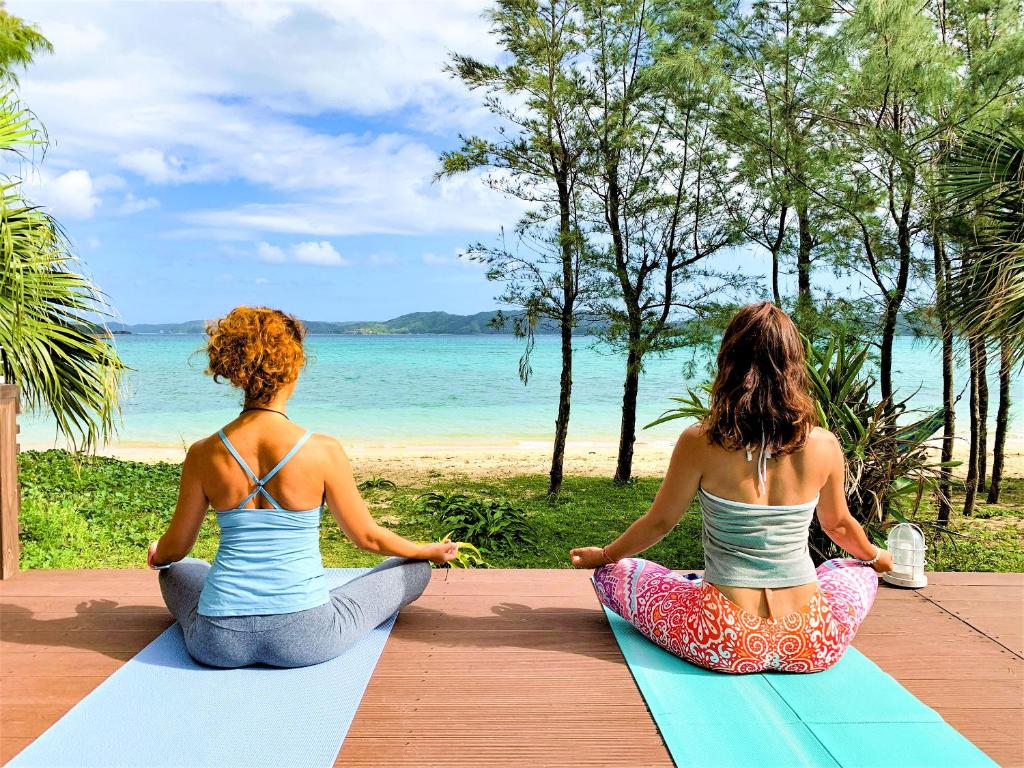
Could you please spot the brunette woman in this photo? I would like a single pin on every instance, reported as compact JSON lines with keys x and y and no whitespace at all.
{"x":761,"y":469}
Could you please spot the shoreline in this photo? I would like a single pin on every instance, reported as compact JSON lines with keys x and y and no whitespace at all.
{"x":403,"y":461}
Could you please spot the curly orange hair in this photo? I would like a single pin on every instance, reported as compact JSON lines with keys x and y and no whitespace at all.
{"x":258,"y":349}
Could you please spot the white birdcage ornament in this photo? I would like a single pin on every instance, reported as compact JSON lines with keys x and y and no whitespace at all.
{"x":906,"y":545}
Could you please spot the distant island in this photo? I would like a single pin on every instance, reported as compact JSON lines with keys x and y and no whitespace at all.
{"x":412,"y":323}
{"x":436,"y":323}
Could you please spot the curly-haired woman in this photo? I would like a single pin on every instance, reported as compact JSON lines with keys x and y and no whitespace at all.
{"x":760,"y":468}
{"x":265,"y":599}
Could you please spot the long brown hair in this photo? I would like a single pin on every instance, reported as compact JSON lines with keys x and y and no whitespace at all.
{"x":761,"y":390}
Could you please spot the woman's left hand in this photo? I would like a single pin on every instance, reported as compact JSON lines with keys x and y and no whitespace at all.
{"x":588,"y":557}
{"x":151,"y":558}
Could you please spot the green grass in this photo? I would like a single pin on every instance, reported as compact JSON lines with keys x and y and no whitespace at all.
{"x":101,"y":513}
{"x":991,"y":540}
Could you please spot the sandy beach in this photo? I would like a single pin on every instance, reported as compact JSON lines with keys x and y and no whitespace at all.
{"x":406,"y":462}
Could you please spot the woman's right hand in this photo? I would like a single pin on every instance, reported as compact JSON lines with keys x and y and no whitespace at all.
{"x":440,"y":553}
{"x":884,"y":562}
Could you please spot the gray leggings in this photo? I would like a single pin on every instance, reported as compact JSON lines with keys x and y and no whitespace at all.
{"x":290,"y":639}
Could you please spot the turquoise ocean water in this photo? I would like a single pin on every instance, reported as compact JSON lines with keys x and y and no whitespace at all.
{"x":448,"y":389}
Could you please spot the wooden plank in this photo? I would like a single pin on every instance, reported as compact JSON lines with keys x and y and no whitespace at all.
{"x":998,"y":620}
{"x":999,"y":733}
{"x":921,"y":658}
{"x":10,"y":746}
{"x":512,"y":747}
{"x":489,"y":672}
{"x":961,"y":579}
{"x":487,"y":667}
{"x":69,"y":663}
{"x":10,"y":496}
{"x":12,"y":606}
{"x":57,"y":640}
{"x":106,"y":583}
{"x":147,"y":618}
{"x":978,"y":593}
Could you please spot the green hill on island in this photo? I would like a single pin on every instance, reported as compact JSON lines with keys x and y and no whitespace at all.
{"x":412,"y":323}
{"x":437,"y":323}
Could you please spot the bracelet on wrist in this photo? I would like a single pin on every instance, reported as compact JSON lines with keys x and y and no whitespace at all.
{"x":149,"y":559}
{"x":607,"y":559}
{"x":873,"y":560}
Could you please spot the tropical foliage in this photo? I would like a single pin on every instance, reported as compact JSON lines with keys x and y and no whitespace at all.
{"x":48,"y":344}
{"x":985,"y":181}
{"x":490,"y":524}
{"x":93,"y":512}
{"x":830,"y":139}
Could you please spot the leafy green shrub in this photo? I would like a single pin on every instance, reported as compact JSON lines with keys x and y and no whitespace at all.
{"x":376,"y":483}
{"x":490,"y":524}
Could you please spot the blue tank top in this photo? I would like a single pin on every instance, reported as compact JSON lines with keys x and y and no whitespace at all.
{"x":268,"y":561}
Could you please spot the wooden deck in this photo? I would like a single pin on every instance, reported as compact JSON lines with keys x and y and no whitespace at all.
{"x":513,"y":667}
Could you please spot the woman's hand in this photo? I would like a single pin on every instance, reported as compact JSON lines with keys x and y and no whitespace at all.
{"x":151,"y":558}
{"x":440,"y":553}
{"x":884,"y":562}
{"x":588,"y":557}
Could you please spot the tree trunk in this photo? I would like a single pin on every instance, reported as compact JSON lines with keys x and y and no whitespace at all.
{"x":776,"y":249}
{"x":971,"y":486}
{"x":893,"y":304}
{"x":888,"y":335}
{"x":1002,"y":419}
{"x":948,"y":402}
{"x":627,"y":433}
{"x":982,"y":413}
{"x":803,"y":256}
{"x":566,"y":321}
{"x":776,"y":293}
{"x":564,"y":402}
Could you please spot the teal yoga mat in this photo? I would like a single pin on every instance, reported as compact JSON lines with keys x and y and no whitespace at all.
{"x":851,"y":716}
{"x":161,"y":709}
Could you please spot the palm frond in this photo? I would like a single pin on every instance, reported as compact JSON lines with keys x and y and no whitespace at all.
{"x":49,"y":345}
{"x":984,"y":179}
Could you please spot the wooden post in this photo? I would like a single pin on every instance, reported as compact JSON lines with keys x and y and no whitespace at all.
{"x":10,"y":498}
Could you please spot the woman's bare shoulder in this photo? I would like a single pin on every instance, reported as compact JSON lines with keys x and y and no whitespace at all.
{"x":821,"y":442}
{"x":694,"y":438}
{"x":327,"y":447}
{"x":202,"y":447}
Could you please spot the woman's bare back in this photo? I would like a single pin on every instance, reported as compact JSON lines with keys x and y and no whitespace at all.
{"x":791,"y":479}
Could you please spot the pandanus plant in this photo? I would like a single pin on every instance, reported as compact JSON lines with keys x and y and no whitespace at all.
{"x":49,"y":345}
{"x":889,"y":468}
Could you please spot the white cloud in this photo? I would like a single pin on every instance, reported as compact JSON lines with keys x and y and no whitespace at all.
{"x":270,"y":253}
{"x":259,"y":14}
{"x":152,"y":165}
{"x":225,"y":93}
{"x":132,"y":204}
{"x":321,"y":254}
{"x":71,"y":194}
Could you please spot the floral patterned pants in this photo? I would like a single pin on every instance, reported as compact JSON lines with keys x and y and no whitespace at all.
{"x":692,"y":619}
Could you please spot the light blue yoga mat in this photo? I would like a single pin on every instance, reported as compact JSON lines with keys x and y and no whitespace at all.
{"x":163,"y":710}
{"x":851,"y":716}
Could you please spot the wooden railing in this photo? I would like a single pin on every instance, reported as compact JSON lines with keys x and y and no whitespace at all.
{"x":10,"y":499}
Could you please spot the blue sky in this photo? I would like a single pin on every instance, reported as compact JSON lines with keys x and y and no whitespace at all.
{"x":205,"y":155}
